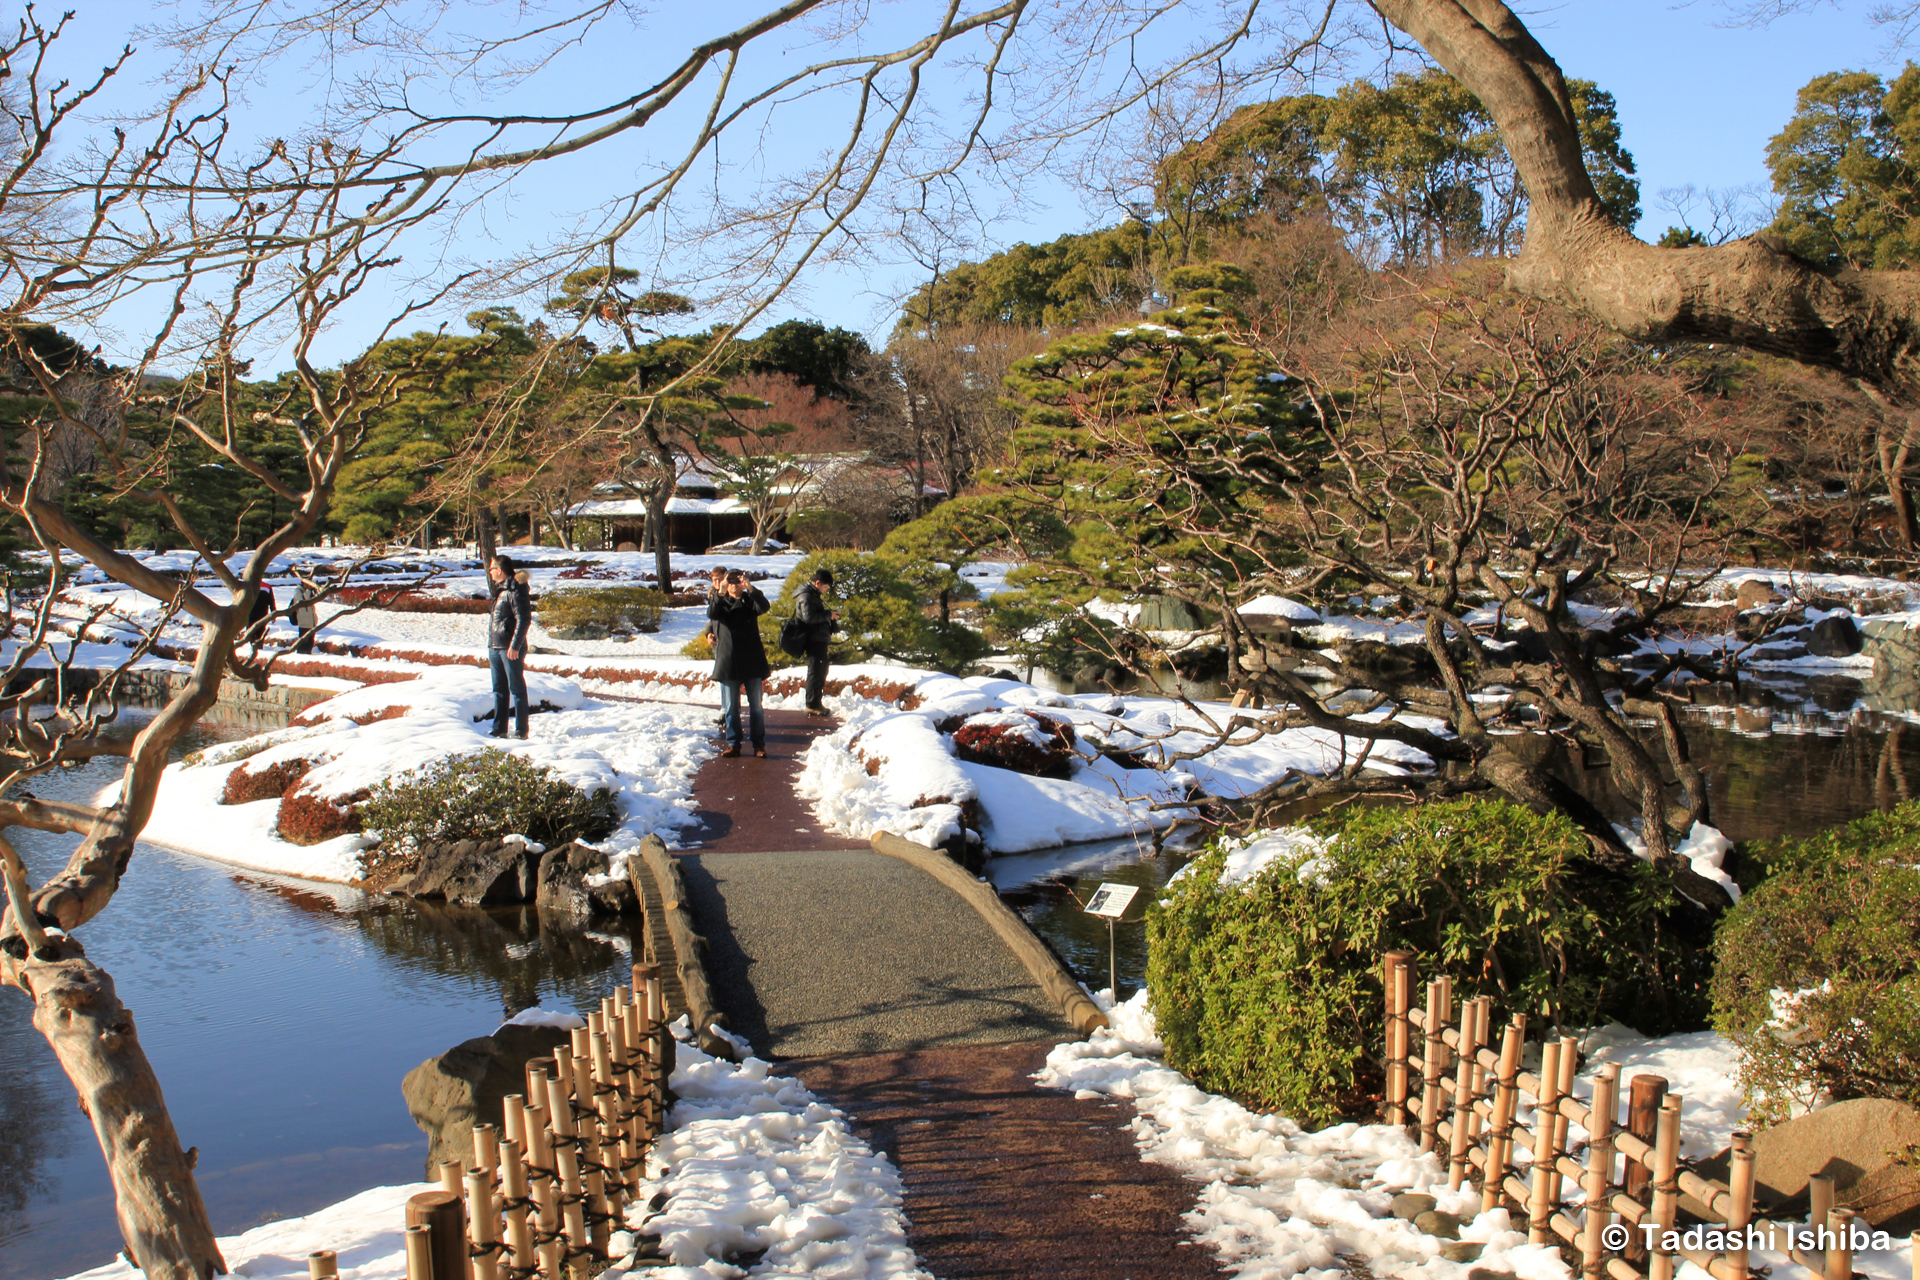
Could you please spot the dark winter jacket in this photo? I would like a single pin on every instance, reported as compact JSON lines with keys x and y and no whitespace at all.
{"x":812,"y":613}
{"x":737,"y":651}
{"x":512,"y":615}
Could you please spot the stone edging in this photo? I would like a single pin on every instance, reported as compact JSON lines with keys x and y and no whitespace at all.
{"x":1075,"y":1006}
{"x":689,"y":948}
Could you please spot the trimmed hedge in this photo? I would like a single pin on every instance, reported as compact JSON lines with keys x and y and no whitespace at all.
{"x":1269,"y":991}
{"x":305,"y":818}
{"x":1817,"y":973}
{"x":610,"y":609}
{"x":484,"y":796}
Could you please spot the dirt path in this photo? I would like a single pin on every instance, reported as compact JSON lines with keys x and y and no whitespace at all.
{"x":749,"y":805}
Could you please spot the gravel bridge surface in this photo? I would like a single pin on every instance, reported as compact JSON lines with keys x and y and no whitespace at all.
{"x":891,"y":998}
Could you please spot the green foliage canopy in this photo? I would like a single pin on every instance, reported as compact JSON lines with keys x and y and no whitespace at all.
{"x":1844,"y":167}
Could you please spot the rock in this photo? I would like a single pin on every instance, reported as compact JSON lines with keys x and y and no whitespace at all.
{"x":1858,"y":1142}
{"x":1834,"y":636}
{"x":1409,"y":1205}
{"x":1488,"y":1273}
{"x":1164,"y":613}
{"x":1463,"y":1251}
{"x":1436,"y":1223}
{"x":562,"y":887}
{"x":1754,"y":593}
{"x":473,"y":873}
{"x":448,"y":1095}
{"x":1778,"y":652}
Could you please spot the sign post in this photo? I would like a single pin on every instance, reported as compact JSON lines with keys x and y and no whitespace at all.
{"x":1111,"y":901}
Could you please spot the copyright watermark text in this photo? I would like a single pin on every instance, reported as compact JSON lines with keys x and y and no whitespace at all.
{"x":1713,"y":1238}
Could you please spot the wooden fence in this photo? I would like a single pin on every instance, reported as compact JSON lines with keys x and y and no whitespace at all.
{"x":546,"y":1189}
{"x":1456,"y":1081}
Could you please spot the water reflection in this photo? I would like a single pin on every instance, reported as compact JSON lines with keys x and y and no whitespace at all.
{"x":280,"y":1016}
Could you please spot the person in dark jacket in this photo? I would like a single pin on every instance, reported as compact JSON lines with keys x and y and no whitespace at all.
{"x":507,"y":644}
{"x":739,"y":659}
{"x":258,"y":615}
{"x":811,"y":609}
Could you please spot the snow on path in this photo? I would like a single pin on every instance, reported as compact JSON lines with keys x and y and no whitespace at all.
{"x":1277,"y":1202}
{"x":751,"y":1161}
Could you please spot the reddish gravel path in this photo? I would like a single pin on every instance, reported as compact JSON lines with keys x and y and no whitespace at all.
{"x":748,"y":805}
{"x":1004,"y":1178}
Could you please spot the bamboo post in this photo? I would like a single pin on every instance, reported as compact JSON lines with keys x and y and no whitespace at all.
{"x":1483,"y":1024}
{"x":1433,"y":1059}
{"x":1913,"y":1251}
{"x":443,"y":1215}
{"x":1546,"y":1178}
{"x":1643,"y":1113}
{"x":419,"y":1252}
{"x":513,"y":1185}
{"x":1740,"y":1207}
{"x":486,"y":1151}
{"x":1665,"y":1210}
{"x":1569,"y":1067}
{"x":513,"y":1119}
{"x":482,"y":1232}
{"x":573,"y":1221}
{"x":322,"y":1264}
{"x":1505,"y":1096}
{"x":450,"y":1177}
{"x":1470,"y":1032}
{"x":1819,"y":1200}
{"x":1840,"y":1252}
{"x":543,"y":1178}
{"x":1599,"y":1179}
{"x":1397,"y":978}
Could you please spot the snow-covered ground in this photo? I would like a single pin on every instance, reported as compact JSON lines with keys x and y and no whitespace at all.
{"x":751,"y":1161}
{"x":1278,"y":1202}
{"x":645,"y":753}
{"x":886,"y":769}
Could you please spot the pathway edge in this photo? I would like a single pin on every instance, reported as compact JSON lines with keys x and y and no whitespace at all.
{"x":689,"y":947}
{"x":1075,"y":1006}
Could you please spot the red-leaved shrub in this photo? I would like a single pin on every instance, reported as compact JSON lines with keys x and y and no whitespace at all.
{"x":244,"y":785}
{"x":1023,"y":741}
{"x":399,"y":600}
{"x":306,"y":818}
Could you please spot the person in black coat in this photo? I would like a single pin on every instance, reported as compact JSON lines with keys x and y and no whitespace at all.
{"x":812,"y":612}
{"x":739,"y":659}
{"x":507,"y":644}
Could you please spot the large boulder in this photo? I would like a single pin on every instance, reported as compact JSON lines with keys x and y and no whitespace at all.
{"x":564,"y":888}
{"x":1164,"y":613}
{"x":1834,"y":636}
{"x":475,"y":873}
{"x":468,"y":1084}
{"x":1755,"y":593}
{"x":1861,"y":1142}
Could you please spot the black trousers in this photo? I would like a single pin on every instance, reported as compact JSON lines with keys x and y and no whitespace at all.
{"x":816,"y":672}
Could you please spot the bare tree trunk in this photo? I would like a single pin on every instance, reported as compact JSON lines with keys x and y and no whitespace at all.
{"x":1894,"y":460}
{"x":483,"y":525}
{"x":1752,"y":292}
{"x":162,"y":1217}
{"x":657,"y":521}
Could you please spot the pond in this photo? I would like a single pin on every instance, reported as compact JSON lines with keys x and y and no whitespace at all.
{"x":1785,"y":757}
{"x":280,"y":1016}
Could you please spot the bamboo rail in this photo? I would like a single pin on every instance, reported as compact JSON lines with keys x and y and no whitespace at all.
{"x":549,"y":1186}
{"x":1462,"y":1097}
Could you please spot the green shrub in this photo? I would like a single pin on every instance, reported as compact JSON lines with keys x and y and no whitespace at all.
{"x":701,"y":646}
{"x":819,"y":528}
{"x":485,"y":796}
{"x":1837,"y":918}
{"x":881,"y":612}
{"x":607,"y":609}
{"x":1269,"y":991}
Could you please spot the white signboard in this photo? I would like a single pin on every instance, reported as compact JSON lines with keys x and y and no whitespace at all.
{"x":1111,"y":900}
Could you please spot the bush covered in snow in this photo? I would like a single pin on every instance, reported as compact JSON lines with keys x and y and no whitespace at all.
{"x":1026,"y":742}
{"x":1268,"y":988}
{"x":607,"y":609}
{"x":1817,"y":973}
{"x":487,"y":795}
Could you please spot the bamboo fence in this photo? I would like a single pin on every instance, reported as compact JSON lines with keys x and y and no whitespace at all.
{"x":547,"y":1188}
{"x":1456,"y":1084}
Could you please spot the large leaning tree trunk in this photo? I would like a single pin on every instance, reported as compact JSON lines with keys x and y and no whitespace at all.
{"x":301,"y":247}
{"x":1751,"y":293}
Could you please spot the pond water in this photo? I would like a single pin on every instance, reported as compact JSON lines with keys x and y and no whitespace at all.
{"x":280,"y":1016}
{"x":1785,"y":757}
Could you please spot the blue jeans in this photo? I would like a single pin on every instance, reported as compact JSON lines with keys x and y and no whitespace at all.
{"x":730,"y":705}
{"x":509,"y":675}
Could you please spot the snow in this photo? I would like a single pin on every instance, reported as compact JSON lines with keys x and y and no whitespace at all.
{"x":1101,"y":800}
{"x":1279,"y":607}
{"x":1248,"y":857}
{"x":1277,"y":1202}
{"x":546,"y":1018}
{"x":751,"y":1161}
{"x":1705,"y":848}
{"x":646,"y":753}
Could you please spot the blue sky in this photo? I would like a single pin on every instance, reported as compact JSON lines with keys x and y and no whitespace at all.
{"x":1698,"y":97}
